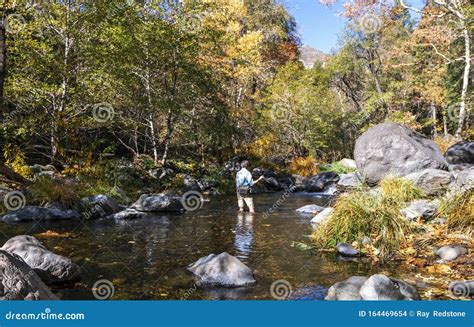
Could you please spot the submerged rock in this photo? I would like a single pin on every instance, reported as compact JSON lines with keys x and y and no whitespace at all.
{"x":128,"y":214}
{"x":432,"y":181}
{"x":50,"y":267}
{"x":420,"y":209}
{"x":310,"y":209}
{"x":223,"y":270}
{"x":394,"y":149}
{"x":19,"y":282}
{"x":380,"y":287}
{"x":346,"y":290}
{"x":322,"y":216}
{"x":158,"y":203}
{"x":346,"y":250}
{"x":451,"y":252}
{"x":321,"y":181}
{"x":33,"y":213}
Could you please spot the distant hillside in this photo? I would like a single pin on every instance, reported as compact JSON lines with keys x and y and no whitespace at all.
{"x":309,"y":55}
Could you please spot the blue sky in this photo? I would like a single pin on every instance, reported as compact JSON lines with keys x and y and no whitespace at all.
{"x":319,"y":25}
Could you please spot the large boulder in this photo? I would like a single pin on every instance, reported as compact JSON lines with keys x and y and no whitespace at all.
{"x":346,"y":290}
{"x":381,"y":287}
{"x":461,"y":153}
{"x":432,"y":181}
{"x":394,"y":149}
{"x":222,"y":270}
{"x":350,"y":180}
{"x":50,"y":267}
{"x":158,"y":203}
{"x":33,"y":213}
{"x":321,"y":181}
{"x":19,"y":282}
{"x":463,"y":180}
{"x":99,"y":206}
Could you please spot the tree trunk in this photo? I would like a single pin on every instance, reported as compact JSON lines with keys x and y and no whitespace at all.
{"x":433,"y":116}
{"x":3,"y":53}
{"x":465,"y":82}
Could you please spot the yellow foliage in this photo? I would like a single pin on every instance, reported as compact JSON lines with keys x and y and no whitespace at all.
{"x":304,"y":166}
{"x":444,"y":143}
{"x":263,"y":145}
{"x":17,"y":161}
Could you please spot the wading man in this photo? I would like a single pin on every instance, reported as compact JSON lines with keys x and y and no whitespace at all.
{"x":244,"y":182}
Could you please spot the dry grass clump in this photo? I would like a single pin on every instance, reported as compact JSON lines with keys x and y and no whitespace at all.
{"x":304,"y":166}
{"x":373,"y":214}
{"x":459,"y":212}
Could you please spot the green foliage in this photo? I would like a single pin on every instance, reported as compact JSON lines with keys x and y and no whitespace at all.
{"x":376,"y":215}
{"x":337,"y":168}
{"x":46,"y":189}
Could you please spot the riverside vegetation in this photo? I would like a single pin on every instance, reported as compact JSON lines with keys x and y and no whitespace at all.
{"x":116,"y":110}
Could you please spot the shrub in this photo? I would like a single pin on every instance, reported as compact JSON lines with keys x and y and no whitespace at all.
{"x":45,"y":189}
{"x":459,"y":212}
{"x":304,"y":166}
{"x":372,"y":214}
{"x":444,"y":142}
{"x":337,"y":168}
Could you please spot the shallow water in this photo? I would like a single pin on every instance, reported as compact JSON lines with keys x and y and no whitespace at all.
{"x":146,"y":258}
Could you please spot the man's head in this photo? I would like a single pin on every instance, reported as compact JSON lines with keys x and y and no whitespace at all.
{"x":244,"y":164}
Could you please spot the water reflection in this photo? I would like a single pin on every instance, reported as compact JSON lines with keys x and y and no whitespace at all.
{"x":244,"y":235}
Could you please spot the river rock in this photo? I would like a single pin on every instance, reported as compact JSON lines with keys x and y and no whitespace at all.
{"x":432,"y":181}
{"x":223,"y":270}
{"x":128,"y":214}
{"x":463,"y":180}
{"x":98,"y":206}
{"x":420,"y":209}
{"x":346,"y":290}
{"x":461,"y":153}
{"x":462,"y":288}
{"x":19,"y":282}
{"x":347,"y":250}
{"x":33,"y":213}
{"x":158,"y":203}
{"x":348,"y":163}
{"x":380,"y":287}
{"x":394,"y":149}
{"x":451,"y":252}
{"x":267,"y":173}
{"x":322,"y":216}
{"x":310,"y":209}
{"x":50,"y":267}
{"x":321,"y":181}
{"x":350,"y":180}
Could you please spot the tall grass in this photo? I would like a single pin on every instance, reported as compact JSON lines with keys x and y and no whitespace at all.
{"x":372,"y":214}
{"x":459,"y":212}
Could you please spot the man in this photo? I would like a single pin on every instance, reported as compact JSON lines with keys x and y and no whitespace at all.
{"x":244,"y":182}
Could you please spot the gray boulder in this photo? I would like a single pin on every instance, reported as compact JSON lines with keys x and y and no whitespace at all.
{"x":463,"y":180}
{"x":432,"y":181}
{"x":322,"y":216}
{"x":128,"y":214}
{"x":158,"y":203}
{"x":98,"y":206}
{"x":223,"y":270}
{"x":380,"y":287}
{"x":50,"y":267}
{"x":348,"y":163}
{"x":394,"y":149}
{"x":19,"y":282}
{"x":321,"y":181}
{"x":310,"y":209}
{"x":451,"y":252}
{"x":346,"y":290}
{"x":420,"y":209}
{"x":347,"y":250}
{"x":461,"y":153}
{"x":33,"y":213}
{"x":350,"y":180}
